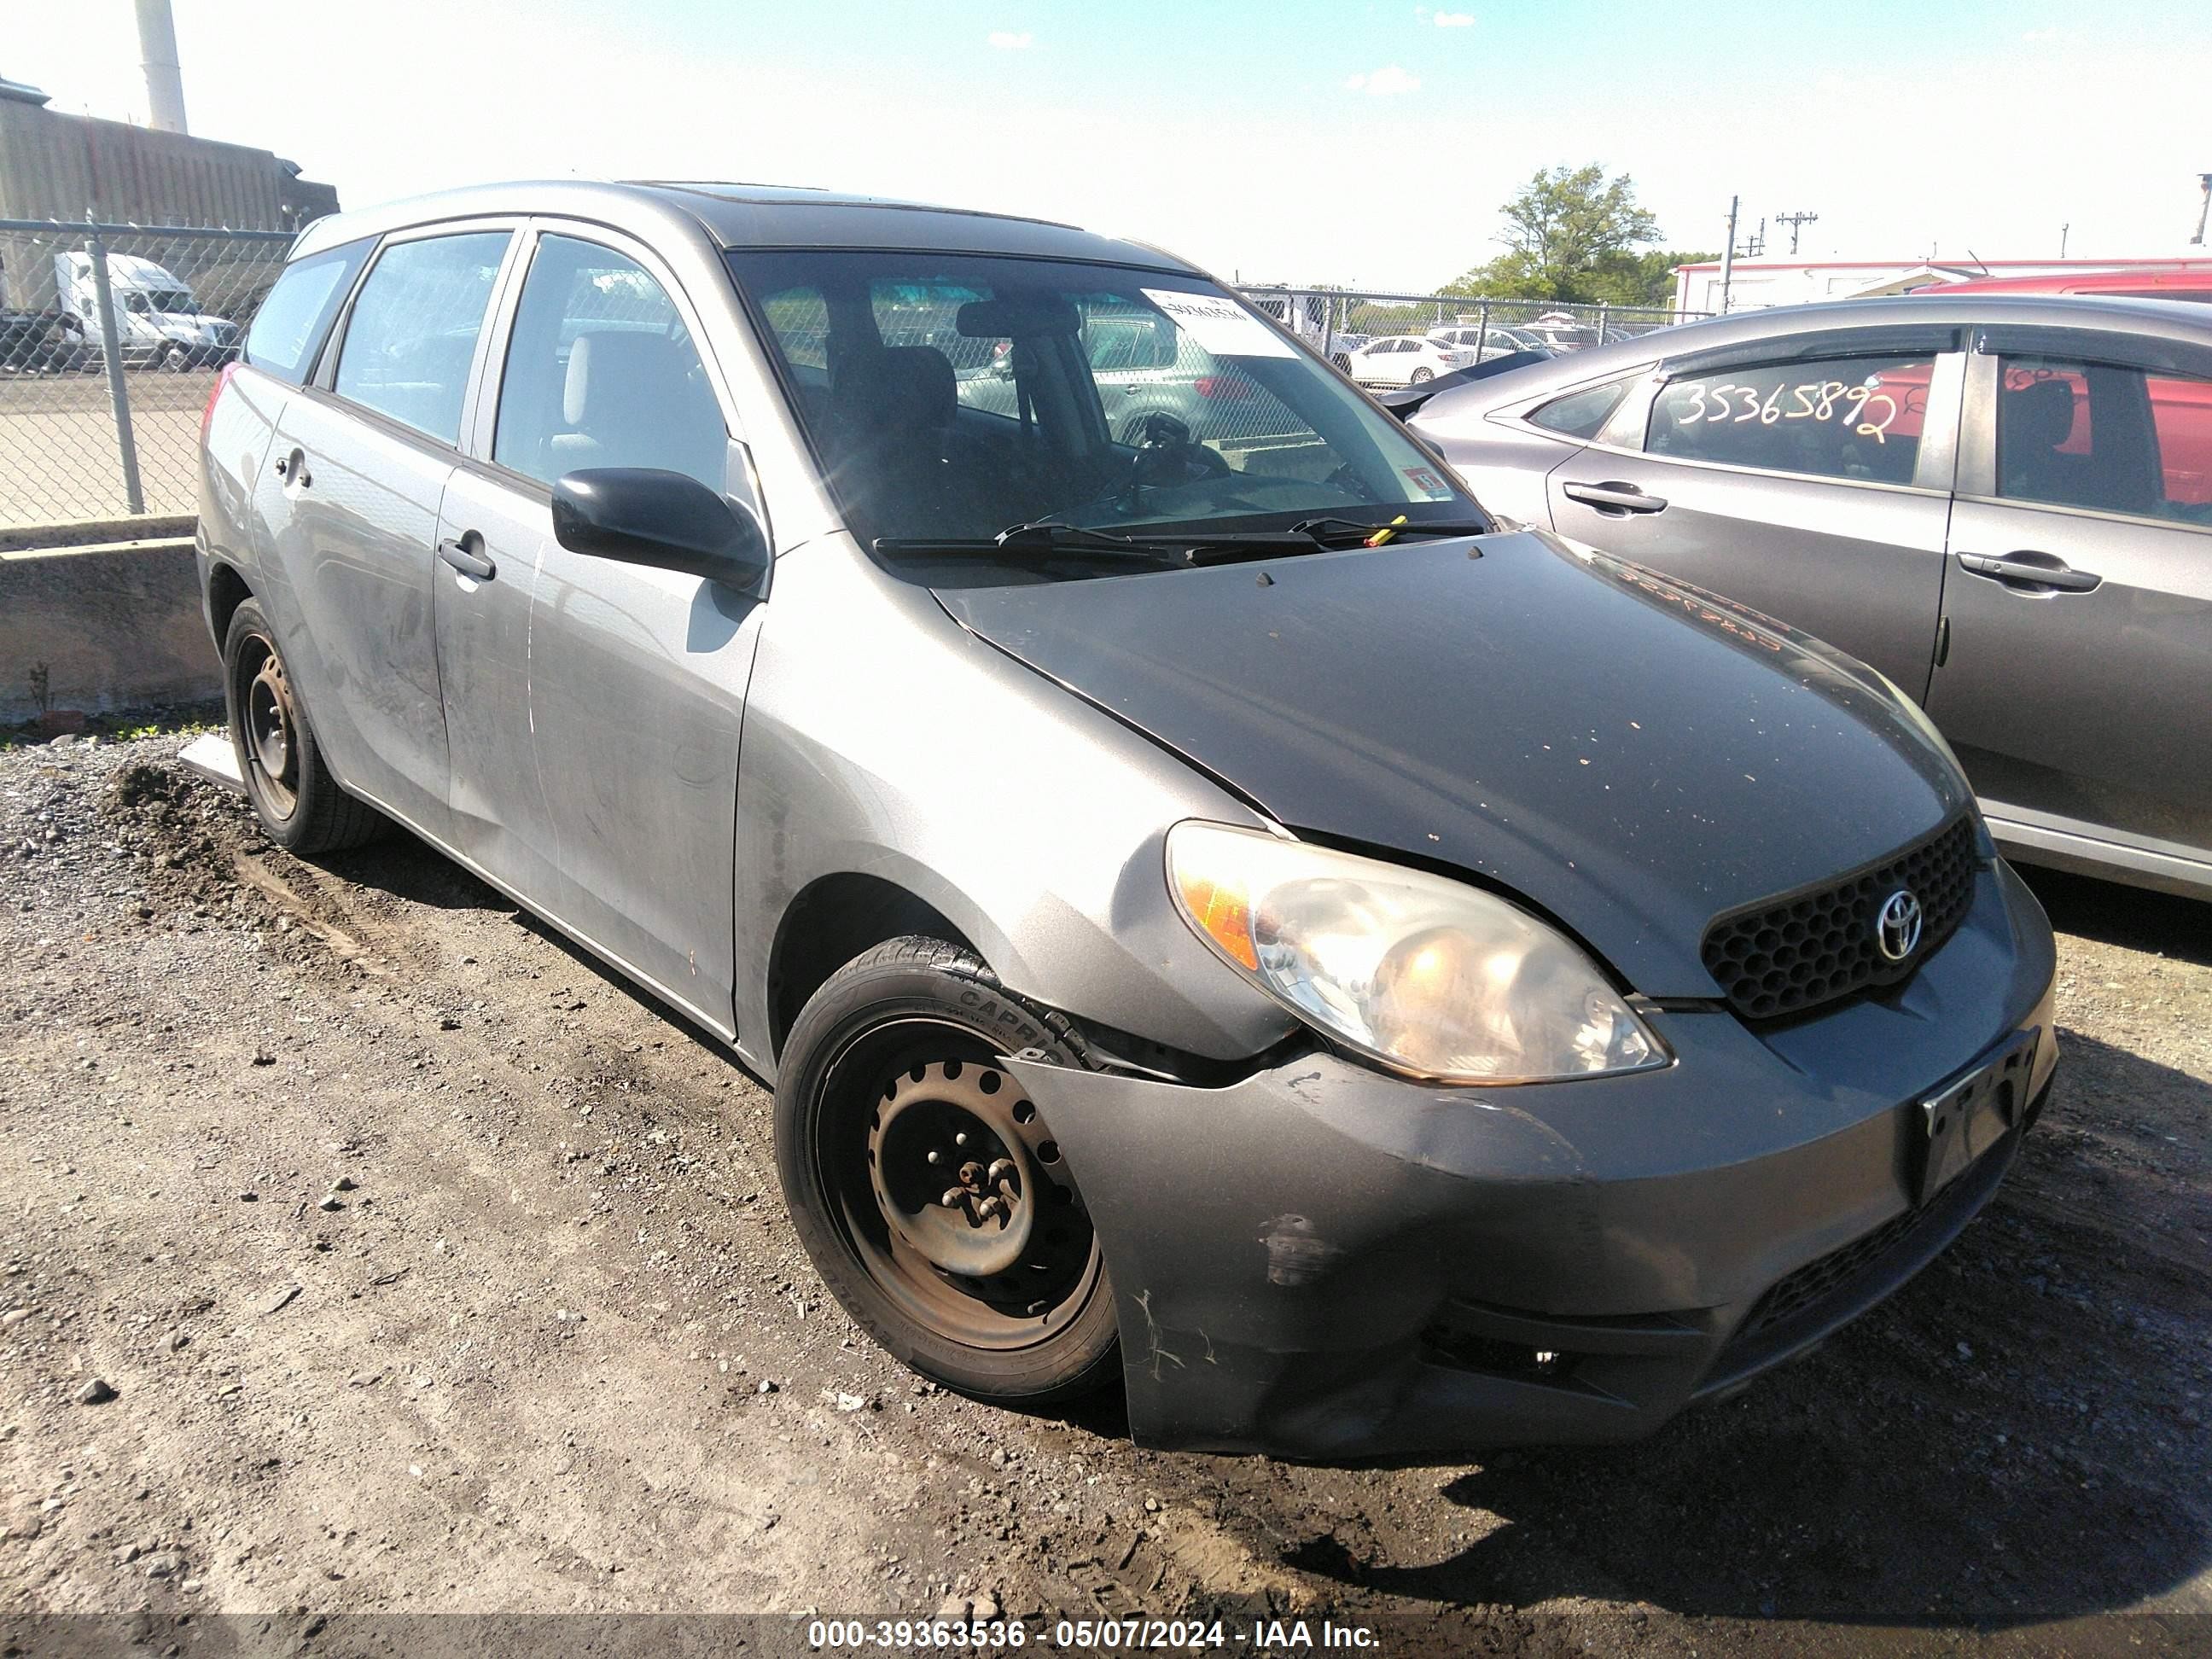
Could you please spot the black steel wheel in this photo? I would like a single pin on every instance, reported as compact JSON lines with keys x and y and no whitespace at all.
{"x":299,"y":803}
{"x":927,"y":1185}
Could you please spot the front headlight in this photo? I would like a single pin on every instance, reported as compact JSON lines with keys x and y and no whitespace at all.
{"x":1425,"y":976}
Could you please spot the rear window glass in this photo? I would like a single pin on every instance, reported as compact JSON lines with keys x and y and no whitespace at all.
{"x":1581,"y":414}
{"x":289,"y":327}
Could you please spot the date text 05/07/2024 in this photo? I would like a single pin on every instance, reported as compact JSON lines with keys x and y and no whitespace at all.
{"x":1261,"y":1637}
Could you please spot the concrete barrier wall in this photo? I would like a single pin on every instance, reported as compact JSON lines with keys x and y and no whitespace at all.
{"x":107,"y":627}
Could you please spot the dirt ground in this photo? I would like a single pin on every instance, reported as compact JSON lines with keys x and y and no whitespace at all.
{"x":431,"y":1269}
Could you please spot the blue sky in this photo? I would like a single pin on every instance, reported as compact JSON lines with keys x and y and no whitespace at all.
{"x":1291,"y":140}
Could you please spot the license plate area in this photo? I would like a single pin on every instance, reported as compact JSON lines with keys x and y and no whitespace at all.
{"x":1953,"y":1127}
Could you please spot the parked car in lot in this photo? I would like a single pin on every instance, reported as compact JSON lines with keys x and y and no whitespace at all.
{"x":1342,"y":344}
{"x":1484,"y":344}
{"x":1226,"y":917}
{"x":2181,"y":281}
{"x":2003,"y":502}
{"x":1405,"y":360}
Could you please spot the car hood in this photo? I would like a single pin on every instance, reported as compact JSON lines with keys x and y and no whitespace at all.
{"x":1629,"y":754}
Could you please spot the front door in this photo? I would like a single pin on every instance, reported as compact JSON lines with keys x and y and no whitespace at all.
{"x":1800,"y":487}
{"x":594,"y":707}
{"x":2079,"y":604}
{"x":351,"y":490}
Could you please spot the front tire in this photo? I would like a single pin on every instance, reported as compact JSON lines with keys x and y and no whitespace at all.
{"x":1421,"y":374}
{"x":300,"y":805}
{"x":926,"y":1184}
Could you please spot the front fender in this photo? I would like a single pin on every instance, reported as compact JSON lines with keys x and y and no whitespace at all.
{"x":882,"y":739}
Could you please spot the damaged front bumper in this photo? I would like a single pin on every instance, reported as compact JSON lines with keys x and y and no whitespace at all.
{"x":1322,"y":1262}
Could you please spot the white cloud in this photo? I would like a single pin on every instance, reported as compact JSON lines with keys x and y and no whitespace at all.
{"x":1387,"y":82}
{"x":1007,"y":40}
{"x":2037,"y":36}
{"x":1454,"y":19}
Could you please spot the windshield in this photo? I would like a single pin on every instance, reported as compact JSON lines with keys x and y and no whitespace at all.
{"x":175,"y":301}
{"x":953,"y":396}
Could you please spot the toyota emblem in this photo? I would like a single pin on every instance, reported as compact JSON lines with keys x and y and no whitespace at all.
{"x":1897,"y":926}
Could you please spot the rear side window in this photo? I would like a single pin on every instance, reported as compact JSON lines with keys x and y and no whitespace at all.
{"x":413,"y":332}
{"x":1581,"y":414}
{"x":1841,"y":417}
{"x":289,"y":327}
{"x":2106,"y":437}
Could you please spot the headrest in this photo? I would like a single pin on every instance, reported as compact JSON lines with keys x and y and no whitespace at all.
{"x":615,"y":363}
{"x":888,"y":388}
{"x":2037,"y":416}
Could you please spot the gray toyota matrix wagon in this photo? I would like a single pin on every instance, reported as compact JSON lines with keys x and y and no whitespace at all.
{"x":1214,"y":910}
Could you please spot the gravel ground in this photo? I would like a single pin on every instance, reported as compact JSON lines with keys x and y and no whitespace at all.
{"x":365,"y":1249}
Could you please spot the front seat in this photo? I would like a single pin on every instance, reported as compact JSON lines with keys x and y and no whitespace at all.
{"x":891,"y":411}
{"x":2032,"y":423}
{"x":634,"y":398}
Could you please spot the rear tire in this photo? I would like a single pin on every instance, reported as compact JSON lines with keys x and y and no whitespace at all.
{"x":1425,"y":373}
{"x":301,"y":807}
{"x":925,"y":1183}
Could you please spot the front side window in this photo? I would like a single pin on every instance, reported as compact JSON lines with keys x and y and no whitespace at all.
{"x":413,"y":332}
{"x":953,"y":396}
{"x":292,"y":321}
{"x":601,"y":371}
{"x":1841,"y":417}
{"x":2106,"y":437}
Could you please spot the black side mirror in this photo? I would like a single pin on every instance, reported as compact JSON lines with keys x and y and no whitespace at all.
{"x":668,"y":520}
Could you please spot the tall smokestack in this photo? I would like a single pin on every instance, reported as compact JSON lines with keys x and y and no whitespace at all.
{"x":164,"y":81}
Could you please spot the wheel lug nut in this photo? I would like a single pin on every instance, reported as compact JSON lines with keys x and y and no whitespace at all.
{"x":970,"y":1174}
{"x":952,"y":1196}
{"x":1000,"y":1170}
{"x":961,"y":1139}
{"x":988,"y":1208}
{"x":936,"y":1157}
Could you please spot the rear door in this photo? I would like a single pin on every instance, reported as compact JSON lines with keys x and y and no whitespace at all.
{"x":594,"y":707}
{"x":350,"y":492}
{"x":1810,"y":480}
{"x":2078,"y":606}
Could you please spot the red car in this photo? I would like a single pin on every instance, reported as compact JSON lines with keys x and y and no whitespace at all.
{"x":2182,"y":409}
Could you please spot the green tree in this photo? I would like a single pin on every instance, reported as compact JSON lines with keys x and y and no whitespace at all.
{"x":1572,"y":234}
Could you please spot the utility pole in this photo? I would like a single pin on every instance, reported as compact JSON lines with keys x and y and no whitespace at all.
{"x":1727,"y":258}
{"x":2204,"y":183}
{"x":1795,"y":221}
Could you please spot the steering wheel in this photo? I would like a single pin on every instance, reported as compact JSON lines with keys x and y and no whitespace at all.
{"x":1168,"y":456}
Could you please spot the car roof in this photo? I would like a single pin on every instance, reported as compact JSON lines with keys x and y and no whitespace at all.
{"x":737,"y":216}
{"x":2175,"y":319}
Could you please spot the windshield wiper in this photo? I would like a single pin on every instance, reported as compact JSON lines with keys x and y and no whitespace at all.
{"x":1031,"y":539}
{"x":1323,"y":529}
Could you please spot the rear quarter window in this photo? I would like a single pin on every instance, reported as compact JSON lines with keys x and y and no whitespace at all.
{"x":289,"y":327}
{"x":1581,"y":414}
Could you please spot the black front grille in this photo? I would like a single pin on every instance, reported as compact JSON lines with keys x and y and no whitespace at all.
{"x":1785,"y":955}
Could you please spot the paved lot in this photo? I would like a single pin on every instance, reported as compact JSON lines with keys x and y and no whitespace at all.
{"x":519,"y":1362}
{"x":58,"y":453}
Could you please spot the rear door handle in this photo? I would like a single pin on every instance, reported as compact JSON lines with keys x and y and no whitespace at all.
{"x":464,"y":557}
{"x":1613,"y":498}
{"x":2026,"y":569}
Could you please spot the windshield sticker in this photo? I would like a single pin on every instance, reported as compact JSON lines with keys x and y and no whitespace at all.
{"x":1428,"y":483}
{"x":1221,"y":327}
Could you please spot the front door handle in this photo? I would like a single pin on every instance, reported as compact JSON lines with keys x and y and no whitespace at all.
{"x":1613,"y":498}
{"x":463,"y":556}
{"x":2030,"y":571}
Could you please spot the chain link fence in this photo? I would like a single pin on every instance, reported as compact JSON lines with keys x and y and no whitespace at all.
{"x":110,"y":339}
{"x":1346,"y":326}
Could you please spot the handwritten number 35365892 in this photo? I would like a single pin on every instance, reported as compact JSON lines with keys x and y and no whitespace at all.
{"x":1868,"y":412}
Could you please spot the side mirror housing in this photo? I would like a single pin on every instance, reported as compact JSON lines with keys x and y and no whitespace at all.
{"x":668,"y":520}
